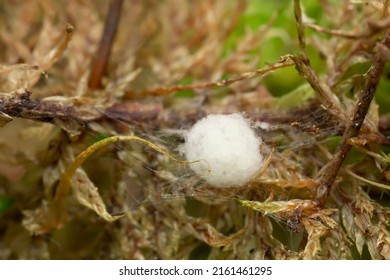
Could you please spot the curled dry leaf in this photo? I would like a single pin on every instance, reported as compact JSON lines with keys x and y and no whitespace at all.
{"x":88,"y":195}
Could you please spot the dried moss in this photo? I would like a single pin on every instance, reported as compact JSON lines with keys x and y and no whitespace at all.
{"x":168,"y":64}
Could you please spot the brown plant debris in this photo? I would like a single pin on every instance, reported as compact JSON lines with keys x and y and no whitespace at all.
{"x":76,"y":76}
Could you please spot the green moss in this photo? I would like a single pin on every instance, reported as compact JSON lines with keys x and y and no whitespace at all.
{"x":6,"y":202}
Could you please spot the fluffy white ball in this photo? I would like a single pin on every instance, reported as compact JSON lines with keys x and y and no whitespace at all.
{"x":229,"y":145}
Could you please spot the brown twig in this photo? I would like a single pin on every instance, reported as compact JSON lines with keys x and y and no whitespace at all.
{"x":18,"y":104}
{"x":302,"y":64}
{"x":64,"y":44}
{"x":374,"y":28}
{"x":322,"y":90}
{"x":23,"y":67}
{"x":330,"y":171}
{"x":100,"y":60}
{"x":285,"y":61}
{"x":300,"y":25}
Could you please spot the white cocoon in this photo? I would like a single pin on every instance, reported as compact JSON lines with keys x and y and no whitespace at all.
{"x":229,"y":145}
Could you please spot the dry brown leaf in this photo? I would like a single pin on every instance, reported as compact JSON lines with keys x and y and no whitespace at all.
{"x":88,"y":195}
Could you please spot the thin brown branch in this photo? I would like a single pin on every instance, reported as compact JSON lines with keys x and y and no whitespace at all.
{"x":374,"y":28}
{"x":64,"y":44}
{"x":335,"y":32}
{"x":285,"y":61}
{"x":330,"y":171}
{"x":322,"y":90}
{"x":300,"y":25}
{"x":22,"y":67}
{"x":100,"y":60}
{"x":18,"y":104}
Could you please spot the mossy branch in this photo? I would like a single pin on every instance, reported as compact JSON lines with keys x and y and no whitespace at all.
{"x":361,"y":108}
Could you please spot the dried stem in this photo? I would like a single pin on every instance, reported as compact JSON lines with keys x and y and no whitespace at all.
{"x":72,"y":119}
{"x":327,"y":178}
{"x":302,"y":64}
{"x":370,"y":182}
{"x":374,"y":29}
{"x":300,"y":25}
{"x":64,"y":44}
{"x":23,"y":67}
{"x":285,"y":61}
{"x":18,"y":104}
{"x":322,"y":90}
{"x":100,"y":60}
